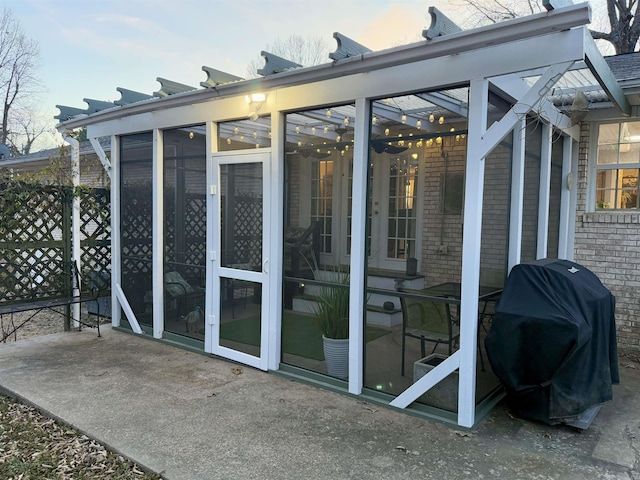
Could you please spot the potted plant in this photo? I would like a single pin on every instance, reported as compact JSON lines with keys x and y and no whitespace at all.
{"x":332,"y":315}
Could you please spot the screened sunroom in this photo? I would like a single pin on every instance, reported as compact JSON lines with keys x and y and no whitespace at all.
{"x":382,"y":197}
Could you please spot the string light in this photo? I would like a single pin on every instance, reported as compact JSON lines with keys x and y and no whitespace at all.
{"x":432,"y":118}
{"x":326,"y":129}
{"x":297,"y":128}
{"x":419,"y":124}
{"x":329,"y":113}
{"x":228,"y":141}
{"x":374,"y":120}
{"x":386,"y":132}
{"x":441,"y":120}
{"x":404,"y":119}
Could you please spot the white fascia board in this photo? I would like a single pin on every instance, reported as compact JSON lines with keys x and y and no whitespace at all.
{"x":504,"y":33}
{"x":488,"y":62}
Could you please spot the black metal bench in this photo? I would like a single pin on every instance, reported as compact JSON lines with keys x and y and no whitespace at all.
{"x":42,"y":286}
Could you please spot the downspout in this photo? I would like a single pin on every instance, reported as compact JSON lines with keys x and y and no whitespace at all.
{"x":75,"y":218}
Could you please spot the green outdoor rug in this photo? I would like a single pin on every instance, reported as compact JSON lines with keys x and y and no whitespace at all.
{"x":301,"y":335}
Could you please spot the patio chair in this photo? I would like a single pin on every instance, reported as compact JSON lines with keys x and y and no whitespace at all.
{"x":427,"y":321}
{"x":180,"y":292}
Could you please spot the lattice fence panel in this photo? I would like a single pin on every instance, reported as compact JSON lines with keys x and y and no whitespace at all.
{"x":247,"y":228}
{"x":35,"y":230}
{"x":33,"y":219}
{"x":136,"y":229}
{"x":95,"y":231}
{"x":195,"y":231}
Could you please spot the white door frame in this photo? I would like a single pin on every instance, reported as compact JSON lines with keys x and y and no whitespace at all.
{"x":213,"y":307}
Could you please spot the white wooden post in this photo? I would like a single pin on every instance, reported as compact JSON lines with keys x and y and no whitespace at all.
{"x":517,"y":193}
{"x":471,"y":241}
{"x":158,"y":232}
{"x":116,"y":252}
{"x":277,"y":228}
{"x":565,"y":199}
{"x":544,"y":190}
{"x":358,"y":248}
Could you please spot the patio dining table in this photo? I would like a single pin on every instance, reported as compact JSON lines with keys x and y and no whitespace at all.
{"x":487,"y":295}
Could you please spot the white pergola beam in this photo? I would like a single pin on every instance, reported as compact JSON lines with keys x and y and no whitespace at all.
{"x":514,"y":87}
{"x":536,"y":27}
{"x":600,"y":69}
{"x":189,"y":109}
{"x":526,"y":104}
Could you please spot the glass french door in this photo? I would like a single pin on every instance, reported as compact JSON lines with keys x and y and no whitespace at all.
{"x":239,"y":265}
{"x":393,"y":212}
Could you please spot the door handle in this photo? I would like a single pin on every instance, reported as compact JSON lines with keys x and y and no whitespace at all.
{"x":264,"y":266}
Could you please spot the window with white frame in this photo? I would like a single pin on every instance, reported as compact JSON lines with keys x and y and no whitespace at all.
{"x":617,"y":166}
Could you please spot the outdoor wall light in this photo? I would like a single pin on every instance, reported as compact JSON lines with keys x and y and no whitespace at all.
{"x":255,"y":101}
{"x":255,"y":98}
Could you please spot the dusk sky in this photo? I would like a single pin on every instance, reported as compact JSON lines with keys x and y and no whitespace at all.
{"x":88,"y":48}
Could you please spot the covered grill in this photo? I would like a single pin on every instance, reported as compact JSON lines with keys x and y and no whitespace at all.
{"x":553,"y":341}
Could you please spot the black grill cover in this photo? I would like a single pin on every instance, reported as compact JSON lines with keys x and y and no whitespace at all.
{"x":552,"y":342}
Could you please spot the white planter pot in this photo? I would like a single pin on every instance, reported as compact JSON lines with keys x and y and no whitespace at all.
{"x":336,"y":355}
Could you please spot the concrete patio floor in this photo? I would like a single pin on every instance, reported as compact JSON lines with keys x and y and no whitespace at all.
{"x":192,"y":417}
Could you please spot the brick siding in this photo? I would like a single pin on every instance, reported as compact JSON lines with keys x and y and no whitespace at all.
{"x":608,"y":243}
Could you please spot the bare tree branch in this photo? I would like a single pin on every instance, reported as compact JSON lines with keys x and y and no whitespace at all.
{"x":305,"y":51}
{"x":623,"y":17}
{"x":18,"y":61}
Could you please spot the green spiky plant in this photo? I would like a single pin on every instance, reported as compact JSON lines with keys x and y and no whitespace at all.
{"x":332,"y":309}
